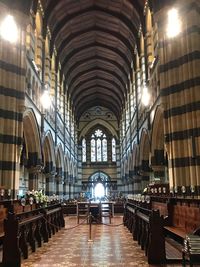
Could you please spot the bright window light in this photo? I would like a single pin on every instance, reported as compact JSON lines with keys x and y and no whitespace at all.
{"x":174,"y":24}
{"x":45,"y":100}
{"x":8,"y":29}
{"x":145,"y":96}
{"x":99,"y":190}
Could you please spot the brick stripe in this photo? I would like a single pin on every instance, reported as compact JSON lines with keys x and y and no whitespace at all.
{"x":11,"y":92}
{"x":11,"y":115}
{"x":185,"y":161}
{"x":12,"y":68}
{"x":7,"y":165}
{"x":10,"y":139}
{"x":182,"y":109}
{"x":181,"y":135}
{"x":180,"y":86}
{"x":195,"y":55}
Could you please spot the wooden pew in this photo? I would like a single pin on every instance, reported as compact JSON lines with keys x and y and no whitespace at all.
{"x":27,"y":231}
{"x":146,"y":227}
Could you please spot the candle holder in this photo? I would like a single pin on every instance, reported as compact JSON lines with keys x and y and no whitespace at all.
{"x":183,"y":190}
{"x":192,"y":190}
{"x":164,"y":190}
{"x":23,"y":203}
{"x":175,"y":191}
{"x":31,"y":200}
{"x":2,"y":193}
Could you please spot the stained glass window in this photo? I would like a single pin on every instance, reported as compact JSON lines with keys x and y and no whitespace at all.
{"x":99,"y":158}
{"x":84,"y":150}
{"x":104,"y":149}
{"x":93,"y":150}
{"x":99,"y":146}
{"x":113,"y":149}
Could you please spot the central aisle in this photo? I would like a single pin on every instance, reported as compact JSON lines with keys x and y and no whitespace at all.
{"x":111,"y":246}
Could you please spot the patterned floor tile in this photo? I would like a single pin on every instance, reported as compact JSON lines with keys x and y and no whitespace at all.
{"x":111,"y":247}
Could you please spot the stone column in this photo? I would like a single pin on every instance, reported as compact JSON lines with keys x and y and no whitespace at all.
{"x":50,"y":184}
{"x":12,"y":95}
{"x":180,"y":87}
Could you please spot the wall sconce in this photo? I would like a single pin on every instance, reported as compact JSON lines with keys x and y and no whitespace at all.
{"x":45,"y":98}
{"x":145,"y":96}
{"x":174,"y":24}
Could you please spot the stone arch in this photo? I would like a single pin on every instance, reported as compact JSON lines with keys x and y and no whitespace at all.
{"x":49,"y":153}
{"x":67,"y":160}
{"x":71,"y":171}
{"x":130,"y":163}
{"x":96,"y":122}
{"x":157,"y":144}
{"x":157,"y":137}
{"x":144,"y":150}
{"x":32,"y":138}
{"x":126,"y":169}
{"x":136,"y":176}
{"x":59,"y":161}
{"x":59,"y":170}
{"x":135,"y":158}
{"x":144,"y":154}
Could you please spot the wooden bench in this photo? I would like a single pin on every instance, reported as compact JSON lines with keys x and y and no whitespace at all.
{"x":146,"y":227}
{"x":26,"y":231}
{"x":183,"y":218}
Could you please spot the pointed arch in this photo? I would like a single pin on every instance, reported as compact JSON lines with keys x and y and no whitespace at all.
{"x":49,"y":153}
{"x":32,"y":138}
{"x":135,"y":158}
{"x":157,"y":137}
{"x":59,"y":161}
{"x":96,"y":122}
{"x":144,"y":150}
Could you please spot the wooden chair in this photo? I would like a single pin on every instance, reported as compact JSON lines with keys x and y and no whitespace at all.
{"x":82,"y":210}
{"x":106,"y":210}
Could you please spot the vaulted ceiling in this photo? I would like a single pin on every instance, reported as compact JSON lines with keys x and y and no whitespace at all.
{"x":95,"y":42}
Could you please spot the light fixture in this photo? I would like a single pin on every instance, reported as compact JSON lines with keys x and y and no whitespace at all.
{"x":145,"y":96}
{"x":174,"y":24}
{"x":45,"y":99}
{"x":8,"y":29}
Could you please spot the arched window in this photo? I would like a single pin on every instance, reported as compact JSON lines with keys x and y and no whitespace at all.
{"x":84,"y":150}
{"x":98,"y":145}
{"x":113,"y":149}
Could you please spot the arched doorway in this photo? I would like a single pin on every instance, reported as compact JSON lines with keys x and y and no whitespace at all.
{"x":99,"y":183}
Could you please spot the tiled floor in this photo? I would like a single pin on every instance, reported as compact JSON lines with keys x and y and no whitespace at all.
{"x":111,"y":246}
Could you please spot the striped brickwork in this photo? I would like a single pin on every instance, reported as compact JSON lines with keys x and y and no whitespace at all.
{"x":180,"y":92}
{"x":49,"y":163}
{"x":144,"y":150}
{"x":12,"y":88}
